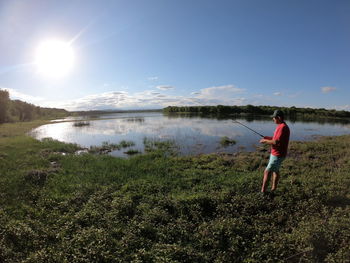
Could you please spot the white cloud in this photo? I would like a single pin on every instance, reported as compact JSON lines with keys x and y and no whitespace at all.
{"x":226,"y":95}
{"x":328,"y":89}
{"x":342,"y":107}
{"x":165,"y":87}
{"x":14,"y":94}
{"x":107,"y":100}
{"x":147,"y":99}
{"x":120,"y":100}
{"x":277,"y":93}
{"x":220,"y":92}
{"x":153,"y":78}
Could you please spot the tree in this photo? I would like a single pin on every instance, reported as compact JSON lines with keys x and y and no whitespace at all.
{"x":4,"y":101}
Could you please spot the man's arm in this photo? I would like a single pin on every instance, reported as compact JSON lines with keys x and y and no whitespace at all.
{"x":278,"y":136}
{"x":269,"y":141}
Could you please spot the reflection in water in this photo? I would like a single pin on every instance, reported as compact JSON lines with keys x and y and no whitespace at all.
{"x":193,"y":134}
{"x":253,"y":118}
{"x":135,"y":119}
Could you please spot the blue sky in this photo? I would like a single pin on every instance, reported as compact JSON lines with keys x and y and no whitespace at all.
{"x":155,"y":53}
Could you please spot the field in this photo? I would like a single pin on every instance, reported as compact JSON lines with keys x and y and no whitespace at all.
{"x":158,"y":207}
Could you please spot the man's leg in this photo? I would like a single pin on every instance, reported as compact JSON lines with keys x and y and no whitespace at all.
{"x":265,"y":180}
{"x":275,"y":179}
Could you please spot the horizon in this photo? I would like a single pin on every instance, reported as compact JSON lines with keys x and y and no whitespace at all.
{"x":158,"y":109}
{"x":122,"y":55}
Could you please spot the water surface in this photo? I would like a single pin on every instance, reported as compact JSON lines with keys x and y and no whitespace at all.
{"x":192,"y":134}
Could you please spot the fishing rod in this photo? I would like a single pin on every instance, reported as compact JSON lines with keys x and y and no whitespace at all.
{"x":248,"y":128}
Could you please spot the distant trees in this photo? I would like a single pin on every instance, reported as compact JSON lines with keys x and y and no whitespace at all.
{"x":291,"y":112}
{"x":16,"y":110}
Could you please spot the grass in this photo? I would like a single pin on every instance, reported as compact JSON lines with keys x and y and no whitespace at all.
{"x":81,"y":123}
{"x":19,"y":128}
{"x":107,"y":147}
{"x":132,"y":151}
{"x":167,"y":147}
{"x":158,"y":207}
{"x":126,"y":144}
{"x":226,"y":141}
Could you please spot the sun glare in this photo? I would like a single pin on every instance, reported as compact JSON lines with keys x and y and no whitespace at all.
{"x":54,"y":58}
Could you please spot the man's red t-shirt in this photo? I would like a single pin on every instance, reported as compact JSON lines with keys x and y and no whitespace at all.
{"x":281,"y":135}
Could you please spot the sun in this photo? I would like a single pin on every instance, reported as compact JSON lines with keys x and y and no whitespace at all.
{"x":54,"y":58}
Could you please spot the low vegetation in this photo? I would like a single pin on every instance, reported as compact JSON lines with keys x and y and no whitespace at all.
{"x":132,"y":152}
{"x":107,"y":147}
{"x":165,"y":147}
{"x":81,"y":123}
{"x":160,"y":207}
{"x":126,"y":144}
{"x":136,"y":119}
{"x":226,"y":141}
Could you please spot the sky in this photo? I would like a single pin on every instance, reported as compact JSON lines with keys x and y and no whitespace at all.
{"x":149,"y":54}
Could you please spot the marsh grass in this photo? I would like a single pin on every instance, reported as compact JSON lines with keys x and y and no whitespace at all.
{"x":81,"y":123}
{"x":136,"y":119}
{"x":160,"y":208}
{"x":167,"y":147}
{"x":107,"y":147}
{"x":126,"y":144}
{"x":226,"y":141}
{"x":132,"y":152}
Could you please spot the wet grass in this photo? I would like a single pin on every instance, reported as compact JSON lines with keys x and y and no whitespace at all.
{"x":158,"y":207}
{"x":81,"y":123}
{"x":167,"y":147}
{"x":226,"y":141}
{"x":107,"y":147}
{"x":132,"y":152}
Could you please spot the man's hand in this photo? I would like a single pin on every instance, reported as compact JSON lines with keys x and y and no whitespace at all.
{"x":263,"y":140}
{"x":269,"y":141}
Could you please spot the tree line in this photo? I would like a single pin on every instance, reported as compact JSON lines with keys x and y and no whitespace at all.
{"x":290,"y":112}
{"x":17,"y":110}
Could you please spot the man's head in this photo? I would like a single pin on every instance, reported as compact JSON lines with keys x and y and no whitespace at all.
{"x":278,"y":116}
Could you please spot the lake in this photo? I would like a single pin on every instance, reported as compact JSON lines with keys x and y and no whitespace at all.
{"x":192,"y":134}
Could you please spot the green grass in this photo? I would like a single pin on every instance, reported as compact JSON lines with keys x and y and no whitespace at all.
{"x":19,"y":128}
{"x":226,"y":141}
{"x":108,"y":147}
{"x":132,"y":152}
{"x":158,"y":207}
{"x":81,"y":123}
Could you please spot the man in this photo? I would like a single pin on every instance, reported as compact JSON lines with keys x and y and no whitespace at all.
{"x":279,"y":147}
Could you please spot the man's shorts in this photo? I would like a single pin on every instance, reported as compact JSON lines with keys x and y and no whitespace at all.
{"x":274,"y":163}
